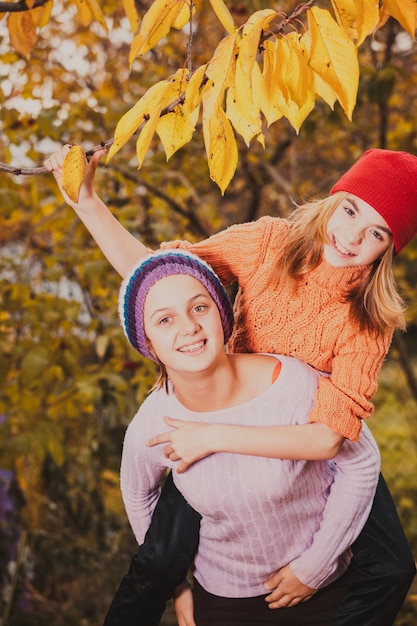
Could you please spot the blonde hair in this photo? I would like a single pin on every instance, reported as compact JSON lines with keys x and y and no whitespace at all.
{"x":375,"y":304}
{"x":162,"y":379}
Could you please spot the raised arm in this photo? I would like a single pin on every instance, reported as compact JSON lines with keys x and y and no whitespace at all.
{"x":120,"y":248}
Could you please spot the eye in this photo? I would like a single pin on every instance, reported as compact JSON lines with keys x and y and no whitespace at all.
{"x":377,"y":235}
{"x":350,"y":211}
{"x":164,"y":321}
{"x":200,"y":308}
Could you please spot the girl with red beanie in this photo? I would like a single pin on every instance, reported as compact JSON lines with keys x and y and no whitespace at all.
{"x":318,"y":286}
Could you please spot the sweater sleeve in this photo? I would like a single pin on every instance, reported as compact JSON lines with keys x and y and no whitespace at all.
{"x":356,"y":472}
{"x":141,"y":472}
{"x":344,"y":399}
{"x":237,"y":252}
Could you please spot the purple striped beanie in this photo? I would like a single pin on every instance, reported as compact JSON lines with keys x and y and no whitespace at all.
{"x":147,"y":272}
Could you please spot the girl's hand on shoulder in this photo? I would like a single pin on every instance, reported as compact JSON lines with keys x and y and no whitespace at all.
{"x":184,"y":605}
{"x":188,"y":442}
{"x":288,"y":590}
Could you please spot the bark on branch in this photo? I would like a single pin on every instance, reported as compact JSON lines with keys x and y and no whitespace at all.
{"x":20,"y":7}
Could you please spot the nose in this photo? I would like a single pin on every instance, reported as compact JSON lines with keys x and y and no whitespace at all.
{"x":355,"y":234}
{"x":189,"y":325}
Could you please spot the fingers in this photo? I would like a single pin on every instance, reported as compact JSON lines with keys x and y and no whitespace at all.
{"x":161,"y":438}
{"x":55,"y":161}
{"x":284,"y":602}
{"x":171,"y":454}
{"x":288,"y":601}
{"x":93,"y":163}
{"x":182,"y":467}
{"x":274,"y":581}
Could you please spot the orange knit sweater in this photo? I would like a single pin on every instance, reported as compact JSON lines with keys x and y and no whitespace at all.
{"x":312,"y":324}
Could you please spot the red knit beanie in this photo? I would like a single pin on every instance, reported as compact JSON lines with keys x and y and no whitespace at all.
{"x":387,"y":180}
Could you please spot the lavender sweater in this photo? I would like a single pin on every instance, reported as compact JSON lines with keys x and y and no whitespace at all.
{"x":258,"y":514}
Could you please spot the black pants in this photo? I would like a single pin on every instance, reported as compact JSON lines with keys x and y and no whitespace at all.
{"x":383,"y":564}
{"x":211,"y":610}
{"x":384,"y":568}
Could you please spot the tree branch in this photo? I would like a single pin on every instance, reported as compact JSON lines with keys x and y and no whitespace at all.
{"x":20,"y":7}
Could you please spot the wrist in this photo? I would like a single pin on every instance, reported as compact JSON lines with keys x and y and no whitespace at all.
{"x":215,"y":439}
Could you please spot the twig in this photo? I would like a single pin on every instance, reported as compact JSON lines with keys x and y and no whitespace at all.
{"x":20,"y":7}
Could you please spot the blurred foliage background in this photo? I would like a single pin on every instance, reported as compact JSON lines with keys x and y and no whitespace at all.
{"x":69,"y":383}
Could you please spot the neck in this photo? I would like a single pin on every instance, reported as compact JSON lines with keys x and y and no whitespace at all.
{"x":209,"y":390}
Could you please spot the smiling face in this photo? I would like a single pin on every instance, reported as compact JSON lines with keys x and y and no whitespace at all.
{"x":183,"y":324}
{"x":357,"y":234}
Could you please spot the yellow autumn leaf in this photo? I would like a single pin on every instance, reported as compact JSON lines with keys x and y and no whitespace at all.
{"x":299,"y":80}
{"x":322,"y":89}
{"x":246,"y":125}
{"x":224,"y":15}
{"x":176,"y":129}
{"x":248,"y":46}
{"x":46,"y":14}
{"x":334,"y":57}
{"x":40,"y":15}
{"x":184,"y":15}
{"x":288,"y":85}
{"x":157,"y":22}
{"x":270,"y":93}
{"x":296,"y":74}
{"x":97,"y":13}
{"x":131,"y":14}
{"x":73,"y":169}
{"x":137,"y":117}
{"x":219,"y":70}
{"x":172,"y":91}
{"x":193,"y":90}
{"x":22,"y":31}
{"x":242,"y":105}
{"x":405,"y":12}
{"x":325,"y":91}
{"x":346,"y":13}
{"x":358,"y":18}
{"x":84,"y":14}
{"x":221,"y":149}
{"x":367,"y":19}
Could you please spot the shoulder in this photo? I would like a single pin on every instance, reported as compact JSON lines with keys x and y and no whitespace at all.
{"x":149,"y":417}
{"x":264,"y":226}
{"x":299,"y":369}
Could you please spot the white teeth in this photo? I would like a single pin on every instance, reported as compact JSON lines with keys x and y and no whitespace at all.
{"x":192,"y":348}
{"x":341,"y":249}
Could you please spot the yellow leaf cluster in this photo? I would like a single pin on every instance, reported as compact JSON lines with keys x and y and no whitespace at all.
{"x":73,"y":169}
{"x":254,"y":76}
{"x":170,"y":108}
